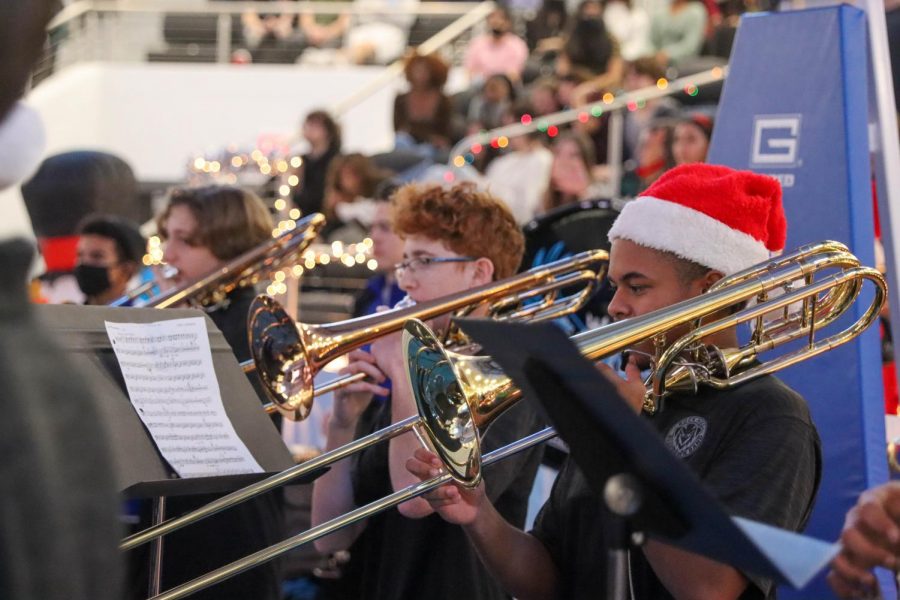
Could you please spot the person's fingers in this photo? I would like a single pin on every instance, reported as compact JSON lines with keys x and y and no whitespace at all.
{"x":851,"y":574}
{"x":844,"y":588}
{"x":863,"y":553}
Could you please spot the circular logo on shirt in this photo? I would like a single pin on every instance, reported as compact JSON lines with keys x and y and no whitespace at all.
{"x":686,"y":436}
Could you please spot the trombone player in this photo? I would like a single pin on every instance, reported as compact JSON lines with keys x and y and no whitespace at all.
{"x":202,"y":229}
{"x":754,"y":446}
{"x":454,"y":239}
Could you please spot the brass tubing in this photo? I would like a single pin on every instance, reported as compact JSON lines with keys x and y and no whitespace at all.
{"x":267,"y":484}
{"x":363,"y":512}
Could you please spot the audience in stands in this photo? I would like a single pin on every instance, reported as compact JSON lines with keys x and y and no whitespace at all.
{"x":629,"y":24}
{"x":500,"y":51}
{"x":543,"y":96}
{"x":690,"y":139}
{"x":349,"y":189}
{"x":423,"y":116}
{"x":571,"y":177}
{"x":521,"y":177}
{"x":379,"y":38}
{"x":323,"y":134}
{"x":652,"y":158}
{"x":486,"y":110}
{"x":644,"y":73}
{"x":677,"y":33}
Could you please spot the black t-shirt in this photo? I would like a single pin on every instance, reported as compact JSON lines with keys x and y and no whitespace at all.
{"x":400,"y":558}
{"x":754,"y":447}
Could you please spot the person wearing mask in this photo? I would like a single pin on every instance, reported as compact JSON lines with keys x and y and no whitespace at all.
{"x":498,"y":52}
{"x":754,"y":446}
{"x":109,"y":256}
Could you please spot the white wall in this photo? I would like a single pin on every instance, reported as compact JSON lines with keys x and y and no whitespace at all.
{"x":158,"y":116}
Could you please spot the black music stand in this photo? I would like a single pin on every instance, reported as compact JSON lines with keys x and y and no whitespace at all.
{"x":645,"y":488}
{"x":141,"y":471}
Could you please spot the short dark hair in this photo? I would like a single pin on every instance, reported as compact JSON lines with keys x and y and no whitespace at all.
{"x":687,"y":270}
{"x":130,"y":244}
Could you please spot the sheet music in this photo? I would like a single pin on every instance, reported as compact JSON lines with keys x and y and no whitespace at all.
{"x":168,"y":371}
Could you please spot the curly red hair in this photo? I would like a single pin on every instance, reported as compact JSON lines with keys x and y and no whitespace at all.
{"x":468,"y":221}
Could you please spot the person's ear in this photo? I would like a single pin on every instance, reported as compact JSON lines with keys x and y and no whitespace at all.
{"x":484,"y":271}
{"x":711,"y":278}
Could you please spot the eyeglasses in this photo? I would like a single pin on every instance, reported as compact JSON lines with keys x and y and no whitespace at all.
{"x":414,"y":265}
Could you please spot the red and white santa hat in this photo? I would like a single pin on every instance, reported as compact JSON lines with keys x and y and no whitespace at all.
{"x":718,"y":217}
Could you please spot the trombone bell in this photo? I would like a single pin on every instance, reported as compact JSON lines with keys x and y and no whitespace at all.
{"x":443,"y":383}
{"x":274,"y":337}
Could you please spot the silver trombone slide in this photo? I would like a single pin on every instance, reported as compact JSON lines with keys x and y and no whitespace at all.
{"x":363,"y":512}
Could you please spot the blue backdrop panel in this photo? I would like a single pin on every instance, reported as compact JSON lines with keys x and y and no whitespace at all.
{"x":795,"y":106}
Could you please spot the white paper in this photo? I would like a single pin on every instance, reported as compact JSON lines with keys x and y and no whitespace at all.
{"x":168,"y":371}
{"x":798,"y":557}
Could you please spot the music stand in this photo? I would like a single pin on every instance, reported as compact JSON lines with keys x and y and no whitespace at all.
{"x":645,"y":488}
{"x":141,"y":471}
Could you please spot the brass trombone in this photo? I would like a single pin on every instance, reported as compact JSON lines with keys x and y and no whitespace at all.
{"x":324,"y":342}
{"x":457,"y":396}
{"x":168,"y":272}
{"x":246,"y":269}
{"x":287,"y":356}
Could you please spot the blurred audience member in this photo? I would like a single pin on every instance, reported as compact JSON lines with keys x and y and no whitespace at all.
{"x":498,"y":52}
{"x":521,"y":177}
{"x":272,"y":37}
{"x":543,"y":96}
{"x":652,"y":159}
{"x":109,"y":256}
{"x":424,"y":114}
{"x":387,"y":250}
{"x":545,"y":32}
{"x":629,"y":25}
{"x":487,"y":109}
{"x":677,"y":33}
{"x":591,"y":53}
{"x":570,"y":176}
{"x":690,"y":139}
{"x":323,"y":134}
{"x":380,"y":38}
{"x":349,"y":189}
{"x":565,"y":90}
{"x":323,"y":30}
{"x":644,"y":73}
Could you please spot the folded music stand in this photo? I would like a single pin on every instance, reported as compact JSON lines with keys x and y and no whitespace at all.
{"x":644,"y":487}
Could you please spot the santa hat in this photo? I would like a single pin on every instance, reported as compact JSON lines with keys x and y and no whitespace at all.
{"x":715,"y":216}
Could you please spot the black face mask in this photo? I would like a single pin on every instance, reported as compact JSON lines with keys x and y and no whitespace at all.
{"x":91,"y":279}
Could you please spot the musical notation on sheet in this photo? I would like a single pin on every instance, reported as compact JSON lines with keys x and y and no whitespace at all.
{"x":169,"y":375}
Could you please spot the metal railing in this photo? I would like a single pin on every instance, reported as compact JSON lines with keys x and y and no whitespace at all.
{"x":140,"y":30}
{"x":464,"y":151}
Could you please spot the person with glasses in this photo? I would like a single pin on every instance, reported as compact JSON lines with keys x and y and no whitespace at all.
{"x":453,"y":240}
